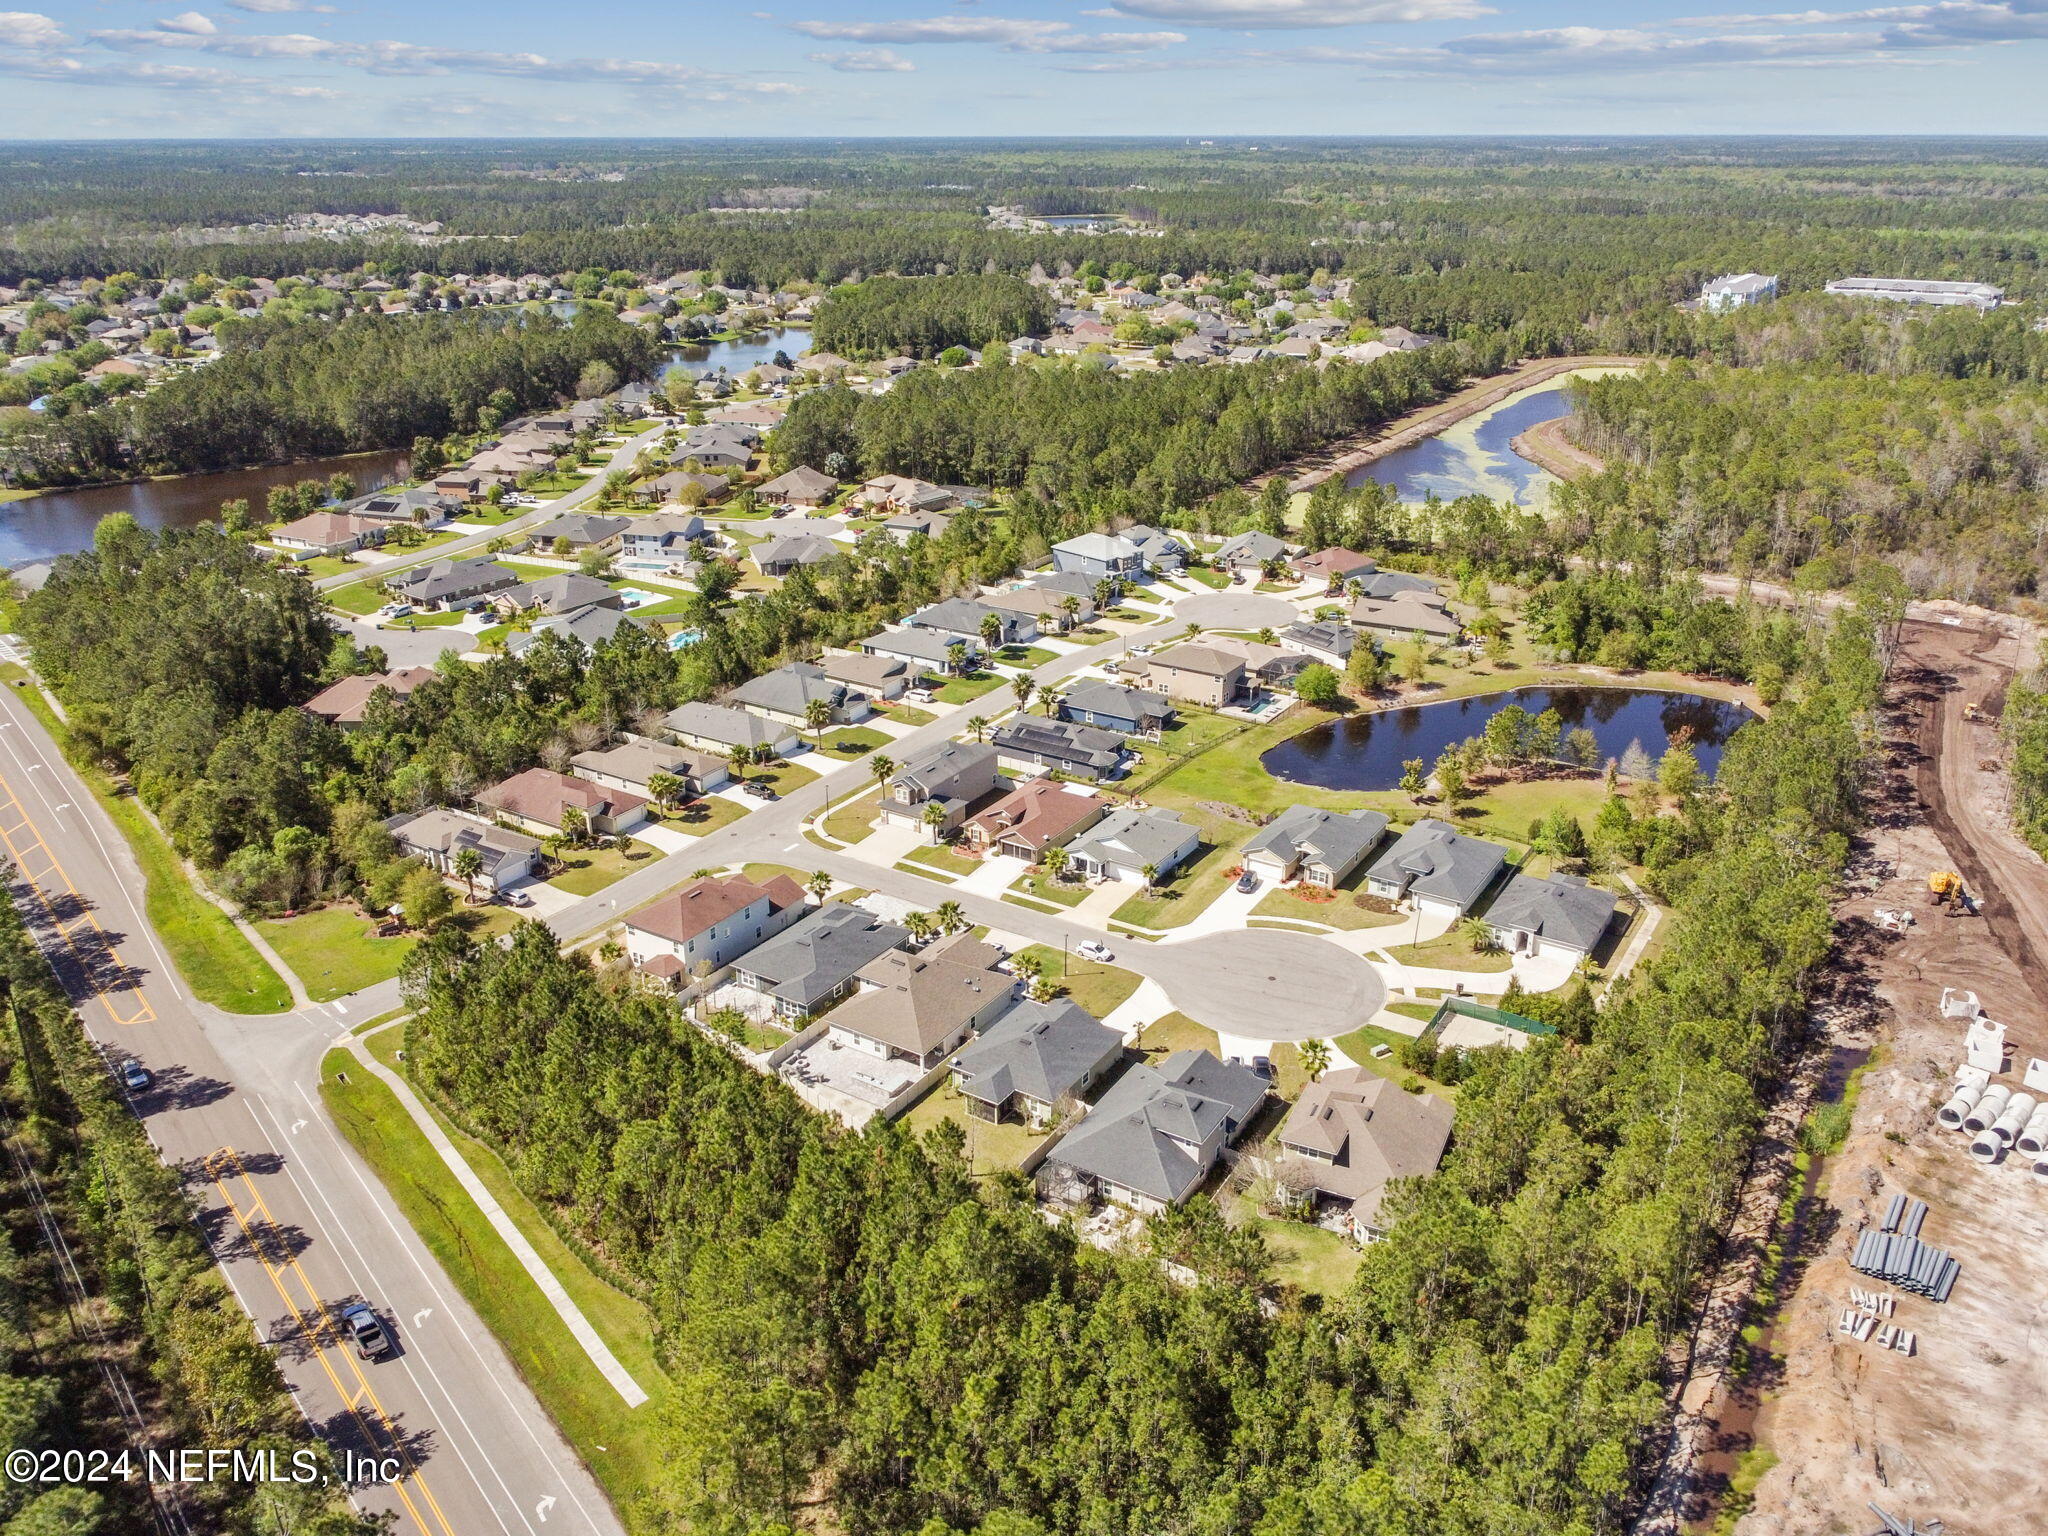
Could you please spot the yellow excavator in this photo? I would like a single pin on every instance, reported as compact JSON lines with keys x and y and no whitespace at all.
{"x":1946,"y":884}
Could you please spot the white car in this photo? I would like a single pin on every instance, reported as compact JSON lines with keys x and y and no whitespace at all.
{"x":1091,"y":950}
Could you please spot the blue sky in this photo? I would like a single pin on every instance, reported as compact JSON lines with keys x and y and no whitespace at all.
{"x":267,"y":68}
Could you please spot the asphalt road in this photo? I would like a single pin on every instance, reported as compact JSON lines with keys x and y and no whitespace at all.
{"x":300,"y":1225}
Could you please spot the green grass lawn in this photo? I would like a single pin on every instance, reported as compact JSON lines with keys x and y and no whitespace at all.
{"x":1313,"y":1258}
{"x":909,"y":714}
{"x":783,"y":777}
{"x":707,"y":815}
{"x":624,"y":1447}
{"x":941,"y":857}
{"x":1042,"y":887}
{"x":587,"y":871}
{"x":1206,"y":577}
{"x":989,"y":1147}
{"x":760,"y":872}
{"x":847,"y":742}
{"x":1026,"y":655}
{"x":1342,"y":912}
{"x":1181,"y":897}
{"x":1097,"y":987}
{"x":335,"y":951}
{"x":358,"y":597}
{"x":1451,"y":952}
{"x":965,"y":690}
{"x":1175,"y":1032}
{"x":853,"y":819}
{"x":218,"y":963}
{"x":1358,"y":1046}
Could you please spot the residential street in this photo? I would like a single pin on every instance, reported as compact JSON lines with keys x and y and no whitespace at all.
{"x":300,"y":1225}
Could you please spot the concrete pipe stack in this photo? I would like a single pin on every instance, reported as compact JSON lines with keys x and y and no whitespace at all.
{"x":1990,"y":1104}
{"x":1906,"y":1262}
{"x":1966,"y":1097}
{"x":2033,"y":1136}
{"x":2014,"y":1119}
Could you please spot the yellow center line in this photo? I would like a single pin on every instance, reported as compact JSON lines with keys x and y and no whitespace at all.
{"x":323,"y":1331}
{"x":20,"y":847}
{"x":320,"y":1331}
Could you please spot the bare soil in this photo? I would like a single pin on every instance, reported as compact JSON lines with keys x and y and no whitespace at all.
{"x":1549,"y":443}
{"x":1954,"y":1431}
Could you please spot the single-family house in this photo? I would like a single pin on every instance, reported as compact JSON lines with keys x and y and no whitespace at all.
{"x":1333,"y":565}
{"x":920,"y":1008}
{"x":802,"y":486}
{"x":1032,"y":1059}
{"x":683,"y":485}
{"x":450,"y":583}
{"x":1158,"y":551}
{"x":1438,"y":867}
{"x":563,"y":593}
{"x":817,"y":960}
{"x":778,"y":557}
{"x":710,"y":923}
{"x":437,"y":835}
{"x":667,"y":536}
{"x":1322,"y":640}
{"x":925,"y":649}
{"x":1096,"y":555}
{"x":1386,"y":584}
{"x":719,"y":728}
{"x":961,"y":618}
{"x":1403,"y":615}
{"x":1553,"y":915}
{"x":907,"y":525}
{"x":343,"y":703}
{"x":1034,"y":742}
{"x":577,"y":531}
{"x":1195,"y":674}
{"x":902,"y":491}
{"x":1113,"y":707}
{"x":1249,"y":551}
{"x":459,"y":484}
{"x":329,"y":533}
{"x":636,"y":762}
{"x":1316,"y":846}
{"x":589,"y":626}
{"x":1123,"y":843}
{"x":1352,"y":1132}
{"x":786,"y":694}
{"x":1157,"y":1132}
{"x":422,"y":506}
{"x":1038,"y":814}
{"x":539,"y":798}
{"x":872,"y":677}
{"x":1045,"y":608}
{"x":952,"y":776}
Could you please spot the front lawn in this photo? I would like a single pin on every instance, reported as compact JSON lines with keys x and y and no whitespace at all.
{"x":1358,"y":1046}
{"x":783,"y":777}
{"x":1189,"y":889}
{"x":1097,"y":987}
{"x":1340,"y":912}
{"x":990,"y":1148}
{"x":358,"y":597}
{"x":1206,"y":577}
{"x":1176,"y":1032}
{"x":968,"y":688}
{"x":1042,"y":887}
{"x":855,"y":819}
{"x":1026,"y":656}
{"x":851,"y":741}
{"x":587,"y":871}
{"x":940,"y":857}
{"x":909,"y":714}
{"x":1450,"y":952}
{"x":335,"y":950}
{"x":707,"y":815}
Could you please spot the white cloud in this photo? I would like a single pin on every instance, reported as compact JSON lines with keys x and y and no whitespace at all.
{"x":862,"y":61}
{"x":191,"y":22}
{"x":30,"y":29}
{"x":1259,"y":14}
{"x":275,"y":7}
{"x":1010,"y":33}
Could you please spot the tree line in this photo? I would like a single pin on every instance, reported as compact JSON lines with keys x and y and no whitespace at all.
{"x":922,"y":317}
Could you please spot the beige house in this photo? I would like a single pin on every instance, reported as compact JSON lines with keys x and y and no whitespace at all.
{"x":920,"y":1008}
{"x":1196,"y":674}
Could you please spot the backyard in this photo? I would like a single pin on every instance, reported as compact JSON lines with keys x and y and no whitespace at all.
{"x":990,"y":1148}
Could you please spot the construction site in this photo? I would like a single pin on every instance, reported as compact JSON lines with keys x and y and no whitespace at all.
{"x":1900,"y":1379}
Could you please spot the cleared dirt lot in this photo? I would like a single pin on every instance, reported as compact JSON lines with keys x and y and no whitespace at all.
{"x":1956,"y":1431}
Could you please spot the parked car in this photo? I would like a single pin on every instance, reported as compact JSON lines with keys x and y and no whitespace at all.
{"x":370,"y":1337}
{"x":758,"y":790}
{"x":135,"y":1076}
{"x":1090,"y":950}
{"x":1247,"y":883}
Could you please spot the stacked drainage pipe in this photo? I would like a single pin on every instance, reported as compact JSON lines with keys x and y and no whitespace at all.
{"x":1989,"y":1145}
{"x":2033,"y":1141}
{"x":1982,"y":1115}
{"x":1966,"y":1097}
{"x":1905,"y":1262}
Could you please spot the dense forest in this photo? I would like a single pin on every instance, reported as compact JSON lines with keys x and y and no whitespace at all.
{"x":1816,"y":466}
{"x":289,"y":389}
{"x":853,"y":1314}
{"x":167,"y":1319}
{"x":922,"y":317}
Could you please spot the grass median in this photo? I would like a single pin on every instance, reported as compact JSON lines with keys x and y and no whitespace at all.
{"x":622,"y":1446}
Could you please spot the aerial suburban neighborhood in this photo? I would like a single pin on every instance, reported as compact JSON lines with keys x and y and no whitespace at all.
{"x":981,"y":837}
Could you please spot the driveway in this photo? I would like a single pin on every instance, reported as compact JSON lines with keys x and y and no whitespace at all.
{"x":1266,"y":984}
{"x":1236,"y":610}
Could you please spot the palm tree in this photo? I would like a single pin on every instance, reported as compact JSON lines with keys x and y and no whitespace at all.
{"x":468,"y":865}
{"x":979,"y":725}
{"x":1049,"y":696}
{"x":817,"y":715}
{"x":818,"y":885}
{"x":956,"y":657}
{"x":1070,"y":610}
{"x":934,"y":817}
{"x":920,"y":925}
{"x":664,"y":787}
{"x":951,"y":918}
{"x":1151,"y":873}
{"x":1105,"y":595}
{"x":1315,"y":1058}
{"x":992,"y":631}
{"x":881,"y":767}
{"x":1055,"y":862}
{"x":575,"y":826}
{"x":739,"y":757}
{"x":1023,"y":688}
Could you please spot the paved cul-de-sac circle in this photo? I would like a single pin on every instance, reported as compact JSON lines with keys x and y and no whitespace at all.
{"x":1267,"y":984}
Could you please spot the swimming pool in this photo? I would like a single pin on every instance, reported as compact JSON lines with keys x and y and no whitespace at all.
{"x":683,"y":639}
{"x":636,"y":597}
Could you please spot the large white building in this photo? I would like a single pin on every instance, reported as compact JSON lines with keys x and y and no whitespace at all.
{"x":1736,"y":292}
{"x":1915,"y":290}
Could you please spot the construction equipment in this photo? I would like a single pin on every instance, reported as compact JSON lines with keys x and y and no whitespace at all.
{"x":1944,"y":883}
{"x":1894,"y":1526}
{"x":1971,"y":712}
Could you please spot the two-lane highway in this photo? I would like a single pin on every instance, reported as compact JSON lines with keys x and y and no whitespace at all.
{"x":300,"y":1225}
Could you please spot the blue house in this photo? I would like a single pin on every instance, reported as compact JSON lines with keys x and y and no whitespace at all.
{"x":1113,"y":707}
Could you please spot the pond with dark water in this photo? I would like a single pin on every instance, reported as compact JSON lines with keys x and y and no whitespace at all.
{"x":1472,"y":457}
{"x":1365,"y":752}
{"x":62,"y":522}
{"x":736,"y":357}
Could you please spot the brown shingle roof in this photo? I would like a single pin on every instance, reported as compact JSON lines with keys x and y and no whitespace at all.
{"x":343,"y":702}
{"x":702,"y":903}
{"x":541,"y":794}
{"x":1037,"y":813}
{"x":922,"y":1000}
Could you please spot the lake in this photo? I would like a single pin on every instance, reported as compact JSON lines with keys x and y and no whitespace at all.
{"x":1472,"y":457}
{"x":736,"y":357}
{"x":62,"y":522}
{"x":1365,"y":752}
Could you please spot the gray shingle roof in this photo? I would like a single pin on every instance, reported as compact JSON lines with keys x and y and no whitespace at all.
{"x":1135,"y":838}
{"x":941,"y":770}
{"x":1041,"y":1050}
{"x":1134,"y":1136}
{"x":579,"y":528}
{"x":1560,"y":908}
{"x":442,"y":579}
{"x":1432,"y":858}
{"x":728,"y":727}
{"x":1115,"y":699}
{"x":788,"y":690}
{"x":1338,"y":840}
{"x":806,"y":963}
{"x":561,"y":594}
{"x":958,"y":615}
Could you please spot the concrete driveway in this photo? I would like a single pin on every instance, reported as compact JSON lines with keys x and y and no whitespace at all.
{"x":1236,"y":610}
{"x":1266,"y":984}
